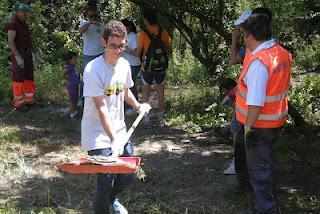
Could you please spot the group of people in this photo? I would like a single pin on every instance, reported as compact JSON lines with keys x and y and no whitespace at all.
{"x":114,"y":54}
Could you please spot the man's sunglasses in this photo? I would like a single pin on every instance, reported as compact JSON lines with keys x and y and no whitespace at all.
{"x":94,"y":16}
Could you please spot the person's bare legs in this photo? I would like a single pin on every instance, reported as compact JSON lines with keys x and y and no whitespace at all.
{"x":145,"y":93}
{"x":145,"y":99}
{"x":161,"y":103}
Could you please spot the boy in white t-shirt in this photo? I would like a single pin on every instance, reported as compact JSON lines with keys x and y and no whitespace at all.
{"x":107,"y":80}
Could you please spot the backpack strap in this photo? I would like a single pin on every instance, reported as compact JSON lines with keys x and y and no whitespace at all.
{"x":159,"y":33}
{"x":151,"y":35}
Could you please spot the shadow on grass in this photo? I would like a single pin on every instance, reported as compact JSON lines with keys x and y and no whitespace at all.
{"x":184,"y":174}
{"x":44,"y":128}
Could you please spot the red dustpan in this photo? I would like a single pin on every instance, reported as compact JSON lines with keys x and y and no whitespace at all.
{"x":82,"y":165}
{"x":119,"y":165}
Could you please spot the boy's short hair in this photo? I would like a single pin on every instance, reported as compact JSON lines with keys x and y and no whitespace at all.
{"x":227,"y":84}
{"x":69,"y":55}
{"x":115,"y":28}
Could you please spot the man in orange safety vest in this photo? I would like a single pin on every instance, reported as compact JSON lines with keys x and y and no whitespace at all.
{"x":262,"y":106}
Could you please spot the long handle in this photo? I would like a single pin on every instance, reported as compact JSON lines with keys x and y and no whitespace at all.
{"x":134,"y":125}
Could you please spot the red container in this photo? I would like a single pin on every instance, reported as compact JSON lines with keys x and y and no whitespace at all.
{"x":83,"y":166}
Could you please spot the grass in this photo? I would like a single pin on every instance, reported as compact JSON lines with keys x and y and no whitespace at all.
{"x":186,"y":179}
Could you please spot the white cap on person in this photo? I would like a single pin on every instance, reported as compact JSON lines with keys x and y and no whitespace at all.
{"x":243,"y":17}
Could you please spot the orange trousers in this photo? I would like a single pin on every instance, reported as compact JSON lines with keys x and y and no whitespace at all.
{"x":23,"y":93}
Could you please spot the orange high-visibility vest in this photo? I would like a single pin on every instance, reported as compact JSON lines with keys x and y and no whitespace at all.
{"x":275,"y":110}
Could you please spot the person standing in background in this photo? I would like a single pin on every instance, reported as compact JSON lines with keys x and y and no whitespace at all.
{"x":134,"y":61}
{"x":20,"y":44}
{"x":152,"y":30}
{"x":91,"y":30}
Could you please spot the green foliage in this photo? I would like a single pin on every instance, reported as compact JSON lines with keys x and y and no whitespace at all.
{"x":184,"y":68}
{"x":49,"y":85}
{"x":308,"y":54}
{"x":196,"y":107}
{"x":306,"y":97}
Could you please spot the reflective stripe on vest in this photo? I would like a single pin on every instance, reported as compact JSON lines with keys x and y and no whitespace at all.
{"x":18,"y":97}
{"x":268,"y":99}
{"x":268,"y":117}
{"x":28,"y":94}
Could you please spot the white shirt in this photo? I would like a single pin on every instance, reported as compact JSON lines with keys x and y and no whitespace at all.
{"x":132,"y":44}
{"x":257,"y":76}
{"x":101,"y":79}
{"x":91,"y":39}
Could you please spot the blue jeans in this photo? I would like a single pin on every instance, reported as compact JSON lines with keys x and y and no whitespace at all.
{"x":110,"y":185}
{"x":86,"y":59}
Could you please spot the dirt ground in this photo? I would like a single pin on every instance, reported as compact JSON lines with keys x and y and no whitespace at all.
{"x":183,"y":171}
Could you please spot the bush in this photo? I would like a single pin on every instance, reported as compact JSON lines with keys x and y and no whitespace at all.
{"x":306,"y":98}
{"x":308,"y":55}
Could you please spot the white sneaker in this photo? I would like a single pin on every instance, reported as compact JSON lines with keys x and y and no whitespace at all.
{"x":64,"y":110}
{"x":130,"y":112}
{"x":231,"y":169}
{"x":118,"y":208}
{"x":73,"y":114}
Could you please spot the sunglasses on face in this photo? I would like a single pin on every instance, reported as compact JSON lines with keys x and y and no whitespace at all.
{"x":93,"y":16}
{"x":113,"y":46}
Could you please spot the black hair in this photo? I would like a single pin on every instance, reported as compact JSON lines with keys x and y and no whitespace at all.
{"x":150,"y":15}
{"x":69,"y":55}
{"x":258,"y":25}
{"x":90,"y":7}
{"x":263,"y":10}
{"x":227,"y":84}
{"x":129,"y":24}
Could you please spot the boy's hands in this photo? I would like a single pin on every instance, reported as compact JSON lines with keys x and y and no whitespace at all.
{"x":144,"y":107}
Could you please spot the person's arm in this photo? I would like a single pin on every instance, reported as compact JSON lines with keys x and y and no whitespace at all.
{"x":253,"y":114}
{"x":234,"y":55}
{"x":100,"y":104}
{"x":139,"y":45}
{"x":84,"y":27}
{"x":12,"y":45}
{"x":13,"y":48}
{"x":137,"y":51}
{"x":131,"y":100}
{"x":256,"y":80}
{"x":64,"y":74}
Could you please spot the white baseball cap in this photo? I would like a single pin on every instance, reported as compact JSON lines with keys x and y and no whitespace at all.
{"x":244,"y":16}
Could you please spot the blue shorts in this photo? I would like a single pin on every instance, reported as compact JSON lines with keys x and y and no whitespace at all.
{"x":148,"y":78}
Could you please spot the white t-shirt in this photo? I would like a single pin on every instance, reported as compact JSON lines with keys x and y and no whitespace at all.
{"x":257,"y":77}
{"x":101,"y":79}
{"x":91,"y":39}
{"x":132,"y":44}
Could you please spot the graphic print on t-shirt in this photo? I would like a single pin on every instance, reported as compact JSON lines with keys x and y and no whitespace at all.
{"x":116,"y":89}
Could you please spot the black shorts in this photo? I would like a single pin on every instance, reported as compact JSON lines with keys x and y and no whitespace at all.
{"x":148,"y":78}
